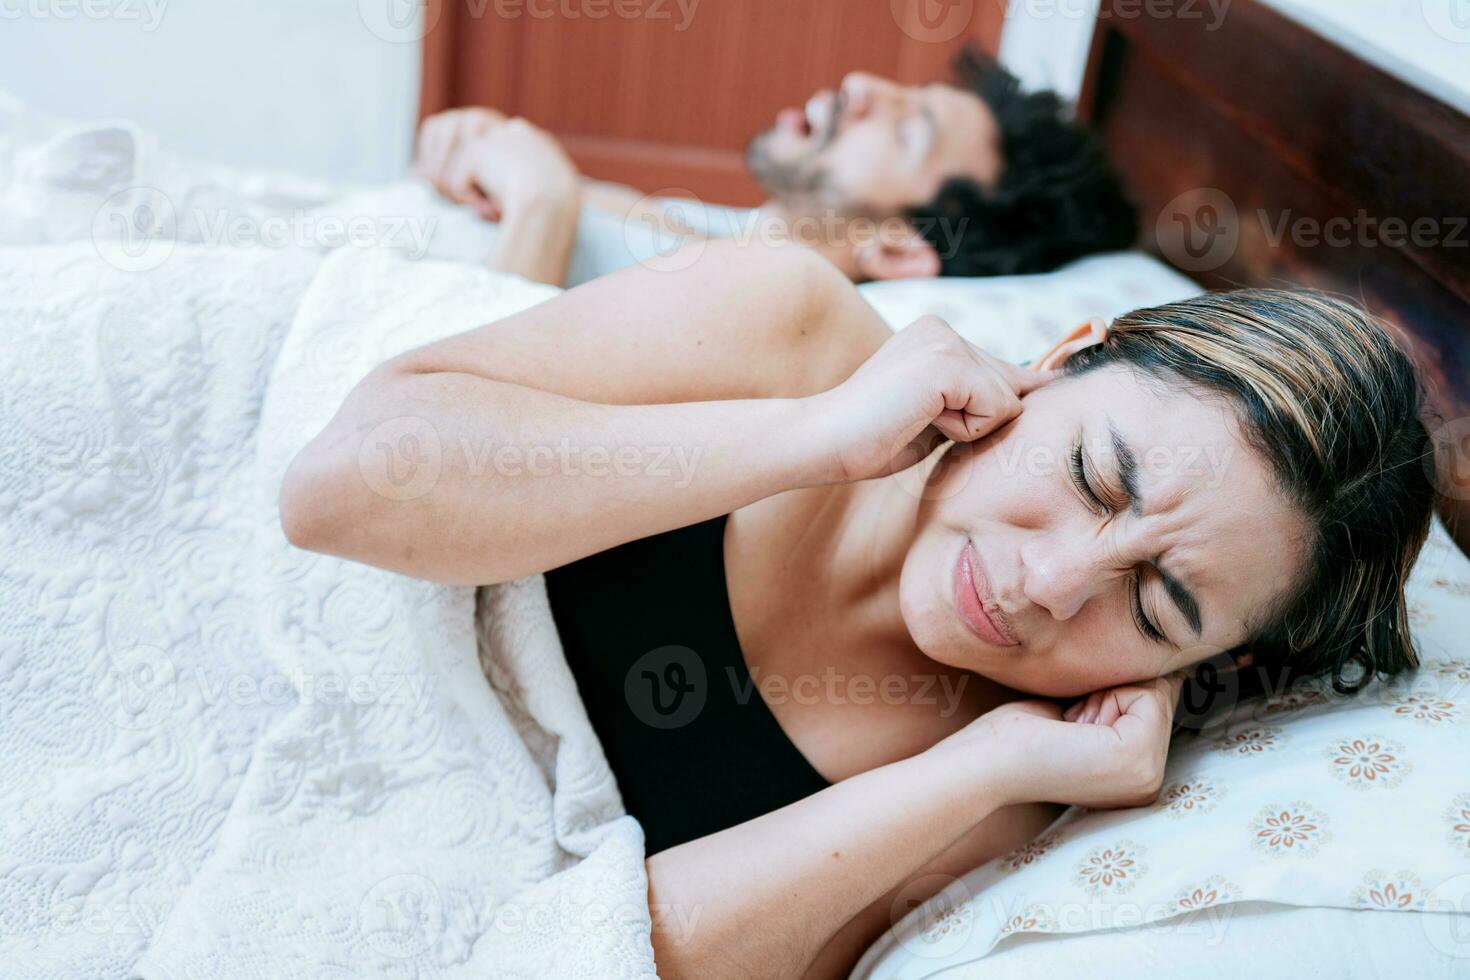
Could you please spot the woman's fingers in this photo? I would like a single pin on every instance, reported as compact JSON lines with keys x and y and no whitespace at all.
{"x":1022,"y":380}
{"x":1107,"y":706}
{"x":1027,"y":380}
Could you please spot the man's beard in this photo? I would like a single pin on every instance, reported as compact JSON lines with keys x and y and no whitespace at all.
{"x":801,"y":183}
{"x":787,"y":181}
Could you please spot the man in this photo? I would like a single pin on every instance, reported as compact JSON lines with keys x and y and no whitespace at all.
{"x":887,"y":181}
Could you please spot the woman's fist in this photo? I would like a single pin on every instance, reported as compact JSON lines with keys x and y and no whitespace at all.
{"x":924,"y":385}
{"x":1106,"y":751}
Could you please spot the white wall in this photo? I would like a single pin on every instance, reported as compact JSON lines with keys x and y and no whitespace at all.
{"x":299,"y":85}
{"x":1424,"y":42}
{"x":1045,"y":42}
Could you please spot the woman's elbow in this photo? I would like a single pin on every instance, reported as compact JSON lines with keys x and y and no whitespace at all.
{"x":306,"y":518}
{"x":319,"y":504}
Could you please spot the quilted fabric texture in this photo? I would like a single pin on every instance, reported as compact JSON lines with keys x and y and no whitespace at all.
{"x":1301,"y":798}
{"x":221,"y":756}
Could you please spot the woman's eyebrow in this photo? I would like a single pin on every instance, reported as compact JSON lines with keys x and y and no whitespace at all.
{"x":1178,"y":592}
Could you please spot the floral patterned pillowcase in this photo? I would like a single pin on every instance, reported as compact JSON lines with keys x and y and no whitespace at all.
{"x":1302,"y":798}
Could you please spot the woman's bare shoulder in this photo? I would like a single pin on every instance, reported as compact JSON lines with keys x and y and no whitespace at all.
{"x":740,"y":321}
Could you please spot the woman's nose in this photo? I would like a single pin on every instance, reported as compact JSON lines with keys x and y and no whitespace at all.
{"x":1059,"y":577}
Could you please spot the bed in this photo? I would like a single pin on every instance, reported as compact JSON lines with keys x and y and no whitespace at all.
{"x":213,"y":849}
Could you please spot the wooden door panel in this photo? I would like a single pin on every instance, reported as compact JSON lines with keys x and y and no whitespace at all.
{"x":636,"y":100}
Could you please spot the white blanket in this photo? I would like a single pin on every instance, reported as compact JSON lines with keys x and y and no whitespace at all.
{"x":222,"y":756}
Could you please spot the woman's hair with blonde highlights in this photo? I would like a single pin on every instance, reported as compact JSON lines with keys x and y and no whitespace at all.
{"x":1331,"y":402}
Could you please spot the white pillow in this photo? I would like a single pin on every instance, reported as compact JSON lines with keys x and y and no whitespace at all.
{"x":1018,"y":317}
{"x":1258,"y":940}
{"x":1303,"y":798}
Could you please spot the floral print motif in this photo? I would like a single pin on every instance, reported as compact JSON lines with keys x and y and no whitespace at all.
{"x":1452,"y":586}
{"x":1298,"y":829}
{"x":1418,"y":616}
{"x":1252,"y":741}
{"x":1195,"y":796}
{"x":1424,"y":708}
{"x":1306,"y":696}
{"x":1458,"y":816}
{"x":1214,"y":890}
{"x":1368,"y":761}
{"x":1457,"y":668}
{"x":1031,"y":851}
{"x":1111,"y":870}
{"x":1036,"y":918}
{"x":1401,"y":892}
{"x":951,"y":922}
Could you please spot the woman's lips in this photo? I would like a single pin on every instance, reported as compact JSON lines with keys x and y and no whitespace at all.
{"x":972,"y":597}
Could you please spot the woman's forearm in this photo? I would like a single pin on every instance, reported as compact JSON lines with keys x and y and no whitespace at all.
{"x":465,"y":480}
{"x":763,"y":898}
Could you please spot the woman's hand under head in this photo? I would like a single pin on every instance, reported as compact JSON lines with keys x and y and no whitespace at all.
{"x":1104,"y":752}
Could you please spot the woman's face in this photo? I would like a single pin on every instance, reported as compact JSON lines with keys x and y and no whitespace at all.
{"x":1173,"y":544}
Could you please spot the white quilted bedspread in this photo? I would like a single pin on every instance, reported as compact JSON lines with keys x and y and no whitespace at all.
{"x":222,"y":756}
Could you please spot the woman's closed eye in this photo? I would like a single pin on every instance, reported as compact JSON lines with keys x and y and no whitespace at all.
{"x":1080,"y":470}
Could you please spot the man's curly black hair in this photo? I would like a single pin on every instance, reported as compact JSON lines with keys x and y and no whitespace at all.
{"x":1057,"y":199}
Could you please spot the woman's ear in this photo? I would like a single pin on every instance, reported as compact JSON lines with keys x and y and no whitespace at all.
{"x":1092,"y":332}
{"x":889,"y":256}
{"x":1241,"y":661}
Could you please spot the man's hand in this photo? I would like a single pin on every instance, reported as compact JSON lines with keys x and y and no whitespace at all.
{"x":441,"y":155}
{"x":499,"y":166}
{"x":512,"y":172}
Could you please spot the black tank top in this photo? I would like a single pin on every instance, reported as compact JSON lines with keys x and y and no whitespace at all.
{"x":650,"y":638}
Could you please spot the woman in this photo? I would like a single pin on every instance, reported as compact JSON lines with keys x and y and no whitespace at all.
{"x":1239,"y":472}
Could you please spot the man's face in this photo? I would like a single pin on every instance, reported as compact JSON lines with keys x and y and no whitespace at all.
{"x":875,"y":147}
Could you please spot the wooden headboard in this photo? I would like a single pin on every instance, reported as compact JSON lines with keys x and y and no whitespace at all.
{"x":1262,"y":154}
